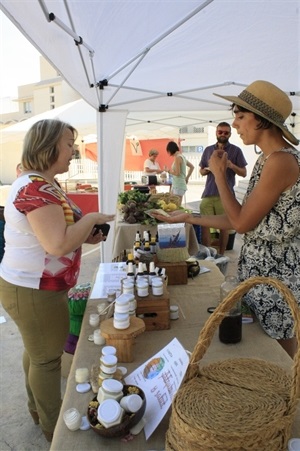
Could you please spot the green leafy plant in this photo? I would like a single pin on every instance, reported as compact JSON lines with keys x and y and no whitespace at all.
{"x":134,"y":204}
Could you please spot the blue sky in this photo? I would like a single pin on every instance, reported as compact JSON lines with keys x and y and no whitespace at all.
{"x":19,"y":59}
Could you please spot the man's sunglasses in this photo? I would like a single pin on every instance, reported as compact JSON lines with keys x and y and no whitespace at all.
{"x":222,"y":132}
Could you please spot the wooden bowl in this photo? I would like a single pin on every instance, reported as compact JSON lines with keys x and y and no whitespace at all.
{"x":129,"y":420}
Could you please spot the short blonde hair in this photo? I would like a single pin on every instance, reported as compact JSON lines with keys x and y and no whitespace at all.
{"x":153,"y":152}
{"x":40,"y":144}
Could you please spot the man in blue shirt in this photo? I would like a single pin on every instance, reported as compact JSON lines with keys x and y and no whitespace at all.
{"x":211,"y":202}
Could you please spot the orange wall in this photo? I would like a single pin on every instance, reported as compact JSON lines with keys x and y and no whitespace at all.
{"x":134,"y":161}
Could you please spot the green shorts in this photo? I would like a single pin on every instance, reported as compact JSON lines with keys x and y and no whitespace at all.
{"x":211,"y":205}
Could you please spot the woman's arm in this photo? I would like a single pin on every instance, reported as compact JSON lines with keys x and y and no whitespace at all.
{"x":56,"y":237}
{"x":190,"y":171}
{"x":177,"y":166}
{"x":280,"y":172}
{"x":216,"y":221}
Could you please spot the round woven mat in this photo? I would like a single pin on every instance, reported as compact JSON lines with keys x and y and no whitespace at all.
{"x":210,"y":415}
{"x":264,"y":376}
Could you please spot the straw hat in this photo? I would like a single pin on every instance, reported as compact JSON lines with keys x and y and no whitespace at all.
{"x":269,"y":102}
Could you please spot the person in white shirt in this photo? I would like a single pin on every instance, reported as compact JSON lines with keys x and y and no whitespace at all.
{"x":151,"y":166}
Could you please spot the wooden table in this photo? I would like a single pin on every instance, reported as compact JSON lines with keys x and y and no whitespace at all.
{"x":125,"y":237}
{"x":193,"y":300}
{"x":87,"y":202}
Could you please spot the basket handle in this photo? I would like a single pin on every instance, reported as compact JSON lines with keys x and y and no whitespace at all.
{"x":209,"y":328}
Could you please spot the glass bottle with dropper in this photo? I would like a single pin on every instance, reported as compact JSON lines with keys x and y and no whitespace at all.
{"x":130,"y":272}
{"x":130,"y":259}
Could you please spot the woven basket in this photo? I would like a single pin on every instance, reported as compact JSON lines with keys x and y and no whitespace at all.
{"x":167,"y":197}
{"x":173,"y":255}
{"x":237,"y":404}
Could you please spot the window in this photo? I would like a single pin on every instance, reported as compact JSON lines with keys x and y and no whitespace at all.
{"x":192,"y":149}
{"x":51,"y":89}
{"x":191,"y":129}
{"x":52,"y":99}
{"x":27,"y":107}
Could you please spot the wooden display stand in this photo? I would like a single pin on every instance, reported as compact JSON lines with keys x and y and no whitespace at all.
{"x":155,"y":310}
{"x":176,"y":272}
{"x":122,"y":339}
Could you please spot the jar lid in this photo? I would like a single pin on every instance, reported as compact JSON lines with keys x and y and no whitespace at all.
{"x":109,"y":411}
{"x":173,"y":308}
{"x":109,"y":350}
{"x":112,"y":385}
{"x":122,"y":301}
{"x":83,"y":388}
{"x":128,"y":296}
{"x":109,"y":360}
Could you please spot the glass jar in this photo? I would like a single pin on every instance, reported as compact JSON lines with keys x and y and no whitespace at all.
{"x":110,"y":413}
{"x":230,"y":329}
{"x":157,"y":286}
{"x":108,"y":363}
{"x":110,"y":389}
{"x":142,"y":288}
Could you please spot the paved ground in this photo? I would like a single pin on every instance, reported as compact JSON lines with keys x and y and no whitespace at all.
{"x":17,"y":431}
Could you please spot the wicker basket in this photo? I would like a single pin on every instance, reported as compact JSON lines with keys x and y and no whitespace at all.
{"x":167,"y":197}
{"x":237,"y":404}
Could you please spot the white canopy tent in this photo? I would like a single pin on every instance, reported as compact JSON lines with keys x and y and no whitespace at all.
{"x":132,"y":56}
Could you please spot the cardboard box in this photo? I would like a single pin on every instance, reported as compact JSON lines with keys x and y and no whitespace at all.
{"x":154,"y":310}
{"x":176,"y":272}
{"x":171,"y":236}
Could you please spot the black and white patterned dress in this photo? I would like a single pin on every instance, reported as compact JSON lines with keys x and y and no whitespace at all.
{"x":273,"y":250}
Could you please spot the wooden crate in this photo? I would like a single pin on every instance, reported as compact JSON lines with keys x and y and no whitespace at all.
{"x":154,"y":310}
{"x":176,"y":272}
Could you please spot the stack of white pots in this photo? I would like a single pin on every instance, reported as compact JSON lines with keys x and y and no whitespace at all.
{"x":121,"y":314}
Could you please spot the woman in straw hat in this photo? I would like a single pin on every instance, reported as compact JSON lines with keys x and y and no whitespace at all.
{"x":269,"y":217}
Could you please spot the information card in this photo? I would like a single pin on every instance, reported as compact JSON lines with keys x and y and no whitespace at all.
{"x":160,"y":378}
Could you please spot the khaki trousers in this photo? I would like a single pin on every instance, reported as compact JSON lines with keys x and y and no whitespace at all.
{"x":42,"y":318}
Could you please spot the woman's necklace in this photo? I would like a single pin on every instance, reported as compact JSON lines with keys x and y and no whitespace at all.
{"x":264,"y":158}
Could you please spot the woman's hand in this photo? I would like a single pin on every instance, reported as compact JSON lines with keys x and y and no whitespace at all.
{"x":95,"y":239}
{"x":174,"y":217}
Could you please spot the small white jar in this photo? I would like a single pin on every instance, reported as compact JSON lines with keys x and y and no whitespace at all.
{"x":81,"y":375}
{"x":142,"y":288}
{"x":131,"y":403}
{"x":108,"y":364}
{"x":127,"y":286}
{"x":157,"y":286}
{"x":121,"y":320}
{"x":111,"y":295}
{"x":110,"y":389}
{"x":72,"y":419}
{"x":102,"y":377}
{"x":174,"y":312}
{"x":101,"y":307}
{"x":98,"y":338}
{"x":94,"y":319}
{"x":121,"y":305}
{"x":110,"y":413}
